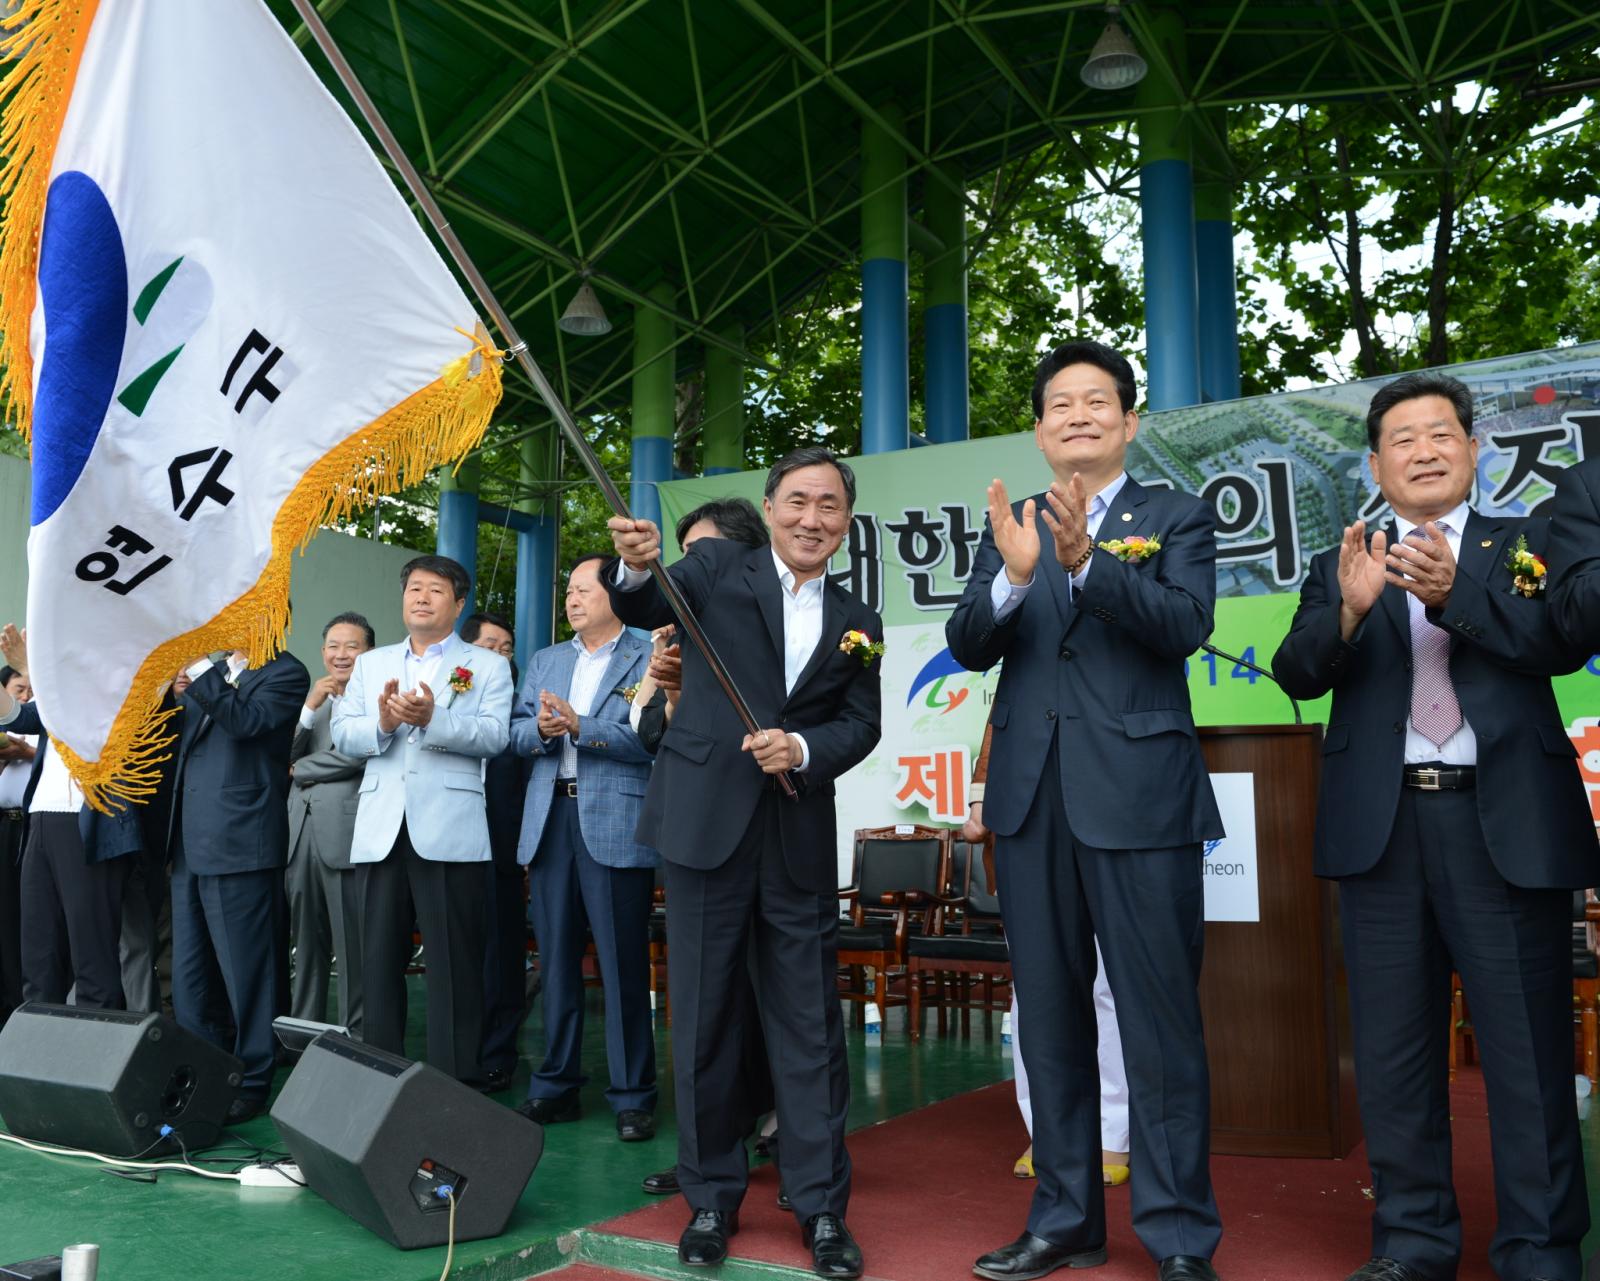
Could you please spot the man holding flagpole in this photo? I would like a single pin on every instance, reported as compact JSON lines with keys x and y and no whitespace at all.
{"x":229,"y":842}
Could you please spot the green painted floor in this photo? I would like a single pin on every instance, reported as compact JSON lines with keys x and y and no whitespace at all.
{"x":185,"y":1227}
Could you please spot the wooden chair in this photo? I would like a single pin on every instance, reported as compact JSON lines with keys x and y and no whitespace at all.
{"x":898,"y":885}
{"x":966,"y":944}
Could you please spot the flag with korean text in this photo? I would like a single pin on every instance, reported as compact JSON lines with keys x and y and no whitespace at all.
{"x":221,"y":328}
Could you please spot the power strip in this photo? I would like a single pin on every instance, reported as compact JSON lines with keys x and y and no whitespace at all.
{"x":285,"y":1174}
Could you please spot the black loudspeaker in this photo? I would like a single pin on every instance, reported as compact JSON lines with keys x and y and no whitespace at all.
{"x":109,"y":1080}
{"x":381,"y":1138}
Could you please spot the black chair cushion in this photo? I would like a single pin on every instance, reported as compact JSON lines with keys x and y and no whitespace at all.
{"x":1586,"y":965}
{"x":959,"y":947}
{"x":893,"y":867}
{"x":866,"y":938}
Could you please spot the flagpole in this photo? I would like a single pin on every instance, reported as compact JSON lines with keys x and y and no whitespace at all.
{"x":441,"y":226}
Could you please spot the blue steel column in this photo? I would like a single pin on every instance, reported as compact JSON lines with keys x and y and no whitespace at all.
{"x":654,"y":402}
{"x":1166,"y":203}
{"x":536,"y":549}
{"x":944,"y":318}
{"x":457,"y":534}
{"x":1217,"y":304}
{"x":722,"y":431}
{"x":885,"y":338}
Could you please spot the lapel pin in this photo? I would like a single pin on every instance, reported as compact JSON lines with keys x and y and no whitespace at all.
{"x":1487,"y":542}
{"x":1127,"y":516}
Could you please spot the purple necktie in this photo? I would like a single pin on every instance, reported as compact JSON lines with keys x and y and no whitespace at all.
{"x":1435,"y":714}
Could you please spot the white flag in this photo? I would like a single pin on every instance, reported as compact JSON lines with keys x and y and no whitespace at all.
{"x":224,"y":328}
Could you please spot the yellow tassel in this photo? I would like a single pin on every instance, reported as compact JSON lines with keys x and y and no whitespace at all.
{"x":46,"y":39}
{"x":429,"y":429}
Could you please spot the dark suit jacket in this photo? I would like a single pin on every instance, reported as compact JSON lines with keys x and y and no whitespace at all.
{"x":232,"y":782}
{"x":323,"y":790}
{"x":105,"y":836}
{"x":1106,"y":671}
{"x":1530,"y":795}
{"x":703,"y":790}
{"x":505,"y":788}
{"x":1575,"y":556}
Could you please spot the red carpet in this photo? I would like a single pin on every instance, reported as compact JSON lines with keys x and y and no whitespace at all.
{"x":933,"y":1190}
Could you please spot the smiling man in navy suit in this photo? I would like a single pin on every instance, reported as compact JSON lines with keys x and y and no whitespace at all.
{"x":1093,"y":593}
{"x":1453,"y":816}
{"x":744,"y":862}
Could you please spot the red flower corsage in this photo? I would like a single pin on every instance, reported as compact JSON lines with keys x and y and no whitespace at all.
{"x":461,"y":680}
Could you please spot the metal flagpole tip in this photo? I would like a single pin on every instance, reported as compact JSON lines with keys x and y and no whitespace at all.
{"x":584,"y":314}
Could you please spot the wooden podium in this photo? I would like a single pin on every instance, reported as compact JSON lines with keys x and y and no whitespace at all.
{"x":1273,"y":992}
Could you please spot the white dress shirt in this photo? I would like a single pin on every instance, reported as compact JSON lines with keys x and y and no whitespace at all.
{"x":1461,"y":748}
{"x":1007,"y":597}
{"x":235,"y":666}
{"x":423,"y":669}
{"x":14,"y":778}
{"x":56,"y":793}
{"x":802,"y":625}
{"x":587,"y":673}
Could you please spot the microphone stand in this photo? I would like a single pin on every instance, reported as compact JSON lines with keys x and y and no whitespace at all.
{"x":1209,"y":648}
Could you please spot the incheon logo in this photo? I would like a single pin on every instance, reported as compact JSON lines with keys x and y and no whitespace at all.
{"x":97,"y":327}
{"x":942,"y":697}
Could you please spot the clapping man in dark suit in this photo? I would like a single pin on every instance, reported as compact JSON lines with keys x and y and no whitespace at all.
{"x":229,"y":844}
{"x":75,"y":865}
{"x":1575,"y":556}
{"x":1093,"y":593}
{"x":324,"y":903}
{"x":741,"y":858}
{"x":1453,"y":816}
{"x":505,"y":783}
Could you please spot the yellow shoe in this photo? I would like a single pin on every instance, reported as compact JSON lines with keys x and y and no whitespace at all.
{"x":1023,"y":1169}
{"x":1115,"y":1175}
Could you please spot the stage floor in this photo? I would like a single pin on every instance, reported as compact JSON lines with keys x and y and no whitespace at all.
{"x":934,"y":1137}
{"x":185,"y":1227}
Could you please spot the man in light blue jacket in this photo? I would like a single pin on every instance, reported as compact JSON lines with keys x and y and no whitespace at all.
{"x":583,"y":801}
{"x":424,"y":715}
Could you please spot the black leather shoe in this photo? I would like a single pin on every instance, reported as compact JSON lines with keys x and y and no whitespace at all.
{"x":1186,"y":1267}
{"x":661,"y":1183}
{"x":1031,"y":1256}
{"x":245,"y":1108}
{"x":496,"y":1080}
{"x":704,"y":1243}
{"x":551,"y":1111}
{"x":1379,"y":1268}
{"x":834,"y":1252}
{"x":783,"y":1199}
{"x":635,"y":1125}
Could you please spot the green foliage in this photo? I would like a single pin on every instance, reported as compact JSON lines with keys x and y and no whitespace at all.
{"x":1452,"y":229}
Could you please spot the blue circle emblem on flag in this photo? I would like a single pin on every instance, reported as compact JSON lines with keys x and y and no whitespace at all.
{"x":83,"y":281}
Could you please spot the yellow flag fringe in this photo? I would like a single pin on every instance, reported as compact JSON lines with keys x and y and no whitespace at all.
{"x":429,"y":429}
{"x":45,"y":38}
{"x":434,"y":426}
